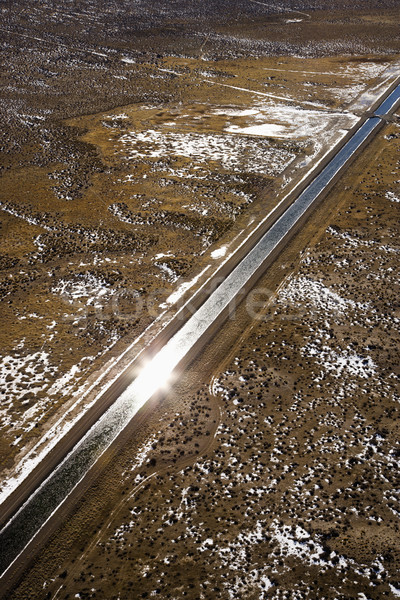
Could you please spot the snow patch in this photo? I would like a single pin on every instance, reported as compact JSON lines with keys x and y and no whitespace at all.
{"x":86,"y":285}
{"x":392,"y":197}
{"x":339,"y":363}
{"x":314,"y":294}
{"x":175,"y":296}
{"x":219,"y":252}
{"x":265,"y":130}
{"x":232,"y":152}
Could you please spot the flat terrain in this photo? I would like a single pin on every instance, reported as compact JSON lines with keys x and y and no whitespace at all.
{"x":278,"y":478}
{"x":108,"y":218}
{"x":140,"y":144}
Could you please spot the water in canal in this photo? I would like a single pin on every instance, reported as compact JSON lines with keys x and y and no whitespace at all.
{"x":48,"y":497}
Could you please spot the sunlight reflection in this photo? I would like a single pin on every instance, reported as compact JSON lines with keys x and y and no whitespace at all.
{"x":156,"y":375}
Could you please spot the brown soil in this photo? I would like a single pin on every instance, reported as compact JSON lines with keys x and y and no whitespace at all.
{"x":277,"y":479}
{"x":98,"y":236}
{"x":296,"y":426}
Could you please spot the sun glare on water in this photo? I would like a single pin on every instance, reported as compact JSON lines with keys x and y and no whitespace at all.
{"x":156,"y":375}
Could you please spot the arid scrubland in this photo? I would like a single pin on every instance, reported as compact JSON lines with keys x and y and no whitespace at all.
{"x":278,"y":479}
{"x":139,"y":144}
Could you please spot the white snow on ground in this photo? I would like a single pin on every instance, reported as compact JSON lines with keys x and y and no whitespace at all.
{"x":142,"y":453}
{"x":117,"y":117}
{"x":87,"y":286}
{"x":351,"y":241}
{"x":298,"y":544}
{"x":219,"y":252}
{"x":232,"y":557}
{"x":315,"y":295}
{"x":232,"y":152}
{"x":22,"y":376}
{"x":265,"y":130}
{"x":166,"y":271}
{"x":293,"y":122}
{"x":61,"y":384}
{"x":232,"y":112}
{"x":392,"y":197}
{"x":200,"y":208}
{"x":306,"y":72}
{"x":270,"y":96}
{"x":191,"y":172}
{"x":206,"y":544}
{"x":364,"y":70}
{"x":169,"y":71}
{"x":58,"y":430}
{"x":369,"y":96}
{"x":315,"y":298}
{"x":117,"y":211}
{"x":346,"y":93}
{"x":20,"y":215}
{"x":31,"y":375}
{"x":341,"y":362}
{"x":178,"y":293}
